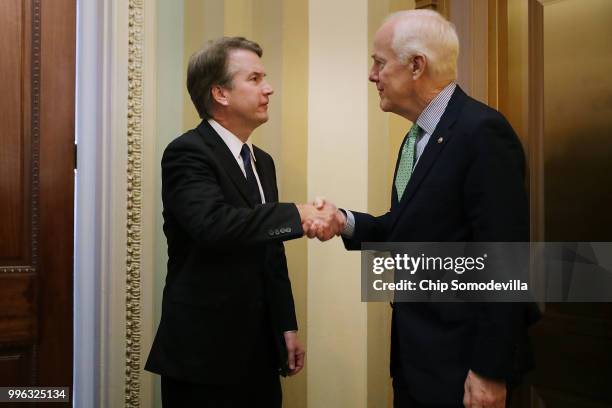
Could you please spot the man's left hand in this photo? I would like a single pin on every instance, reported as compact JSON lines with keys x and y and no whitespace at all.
{"x":483,"y":392}
{"x":295,"y":352}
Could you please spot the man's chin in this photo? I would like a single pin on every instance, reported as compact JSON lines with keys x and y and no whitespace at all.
{"x":383,"y":106}
{"x":261,"y":119}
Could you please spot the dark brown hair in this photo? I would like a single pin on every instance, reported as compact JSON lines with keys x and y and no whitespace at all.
{"x":209,"y":67}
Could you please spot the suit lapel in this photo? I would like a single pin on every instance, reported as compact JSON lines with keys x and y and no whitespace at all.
{"x":435,"y":145}
{"x":225,"y":158}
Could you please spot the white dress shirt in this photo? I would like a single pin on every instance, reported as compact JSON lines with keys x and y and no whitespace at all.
{"x":235,"y":145}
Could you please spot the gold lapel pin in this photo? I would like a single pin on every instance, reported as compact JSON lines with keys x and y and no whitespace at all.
{"x":440,"y":139}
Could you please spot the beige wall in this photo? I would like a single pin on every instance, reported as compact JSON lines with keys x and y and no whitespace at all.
{"x":292,"y":166}
{"x":193,"y":37}
{"x":337,"y":169}
{"x":169,"y":117}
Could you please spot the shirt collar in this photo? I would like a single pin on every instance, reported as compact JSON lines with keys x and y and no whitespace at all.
{"x":431,"y":115}
{"x":231,"y":140}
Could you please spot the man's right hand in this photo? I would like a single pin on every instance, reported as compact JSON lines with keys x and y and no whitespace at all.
{"x":322,"y":220}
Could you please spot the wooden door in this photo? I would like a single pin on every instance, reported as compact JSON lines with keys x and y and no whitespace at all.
{"x":37,"y":77}
{"x":559,"y":95}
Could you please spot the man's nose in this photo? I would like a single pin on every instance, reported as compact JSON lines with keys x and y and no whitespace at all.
{"x":373,"y":77}
{"x":267,"y":89}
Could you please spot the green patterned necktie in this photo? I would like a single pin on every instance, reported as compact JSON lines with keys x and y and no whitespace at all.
{"x":404,"y":170}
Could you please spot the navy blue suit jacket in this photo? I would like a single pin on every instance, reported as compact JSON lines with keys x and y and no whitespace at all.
{"x":468,"y":186}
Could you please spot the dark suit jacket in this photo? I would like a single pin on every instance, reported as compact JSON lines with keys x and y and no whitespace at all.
{"x":469,"y":187}
{"x":227,"y":271}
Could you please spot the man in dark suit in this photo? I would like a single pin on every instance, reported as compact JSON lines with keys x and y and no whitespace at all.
{"x":228,"y":325}
{"x":459,"y":177}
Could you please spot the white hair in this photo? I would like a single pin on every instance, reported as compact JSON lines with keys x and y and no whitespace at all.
{"x":426,"y":32}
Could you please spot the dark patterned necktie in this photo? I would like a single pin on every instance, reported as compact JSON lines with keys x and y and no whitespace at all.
{"x":404,"y":170}
{"x":245,"y":153}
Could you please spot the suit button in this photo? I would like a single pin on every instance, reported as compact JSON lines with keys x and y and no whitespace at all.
{"x":289,"y":229}
{"x":283,"y":230}
{"x":276,"y":232}
{"x":271,"y":232}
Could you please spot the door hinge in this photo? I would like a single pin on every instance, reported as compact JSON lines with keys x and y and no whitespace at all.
{"x":75,"y":155}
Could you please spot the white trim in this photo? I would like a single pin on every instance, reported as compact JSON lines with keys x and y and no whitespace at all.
{"x":87,"y":226}
{"x":101,"y":125}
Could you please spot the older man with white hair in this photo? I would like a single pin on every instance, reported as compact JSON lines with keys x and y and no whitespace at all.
{"x":459,"y":178}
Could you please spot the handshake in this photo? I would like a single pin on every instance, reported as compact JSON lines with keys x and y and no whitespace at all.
{"x":321,"y":219}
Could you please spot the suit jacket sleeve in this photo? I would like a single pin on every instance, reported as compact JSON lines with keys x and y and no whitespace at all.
{"x":368,"y":228}
{"x":192,"y":194}
{"x":497,"y":208}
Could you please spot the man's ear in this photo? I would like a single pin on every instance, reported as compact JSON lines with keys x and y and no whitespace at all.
{"x":219,"y":95}
{"x":418,"y":65}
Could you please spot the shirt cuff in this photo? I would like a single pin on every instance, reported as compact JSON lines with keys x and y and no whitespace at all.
{"x":349,"y":227}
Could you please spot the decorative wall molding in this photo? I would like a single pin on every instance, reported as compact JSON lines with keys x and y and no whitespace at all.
{"x":35,"y":141}
{"x":17,"y":269}
{"x":35,"y":132}
{"x":134,"y":204}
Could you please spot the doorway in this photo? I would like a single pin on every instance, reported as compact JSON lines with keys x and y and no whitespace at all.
{"x":37,"y":68}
